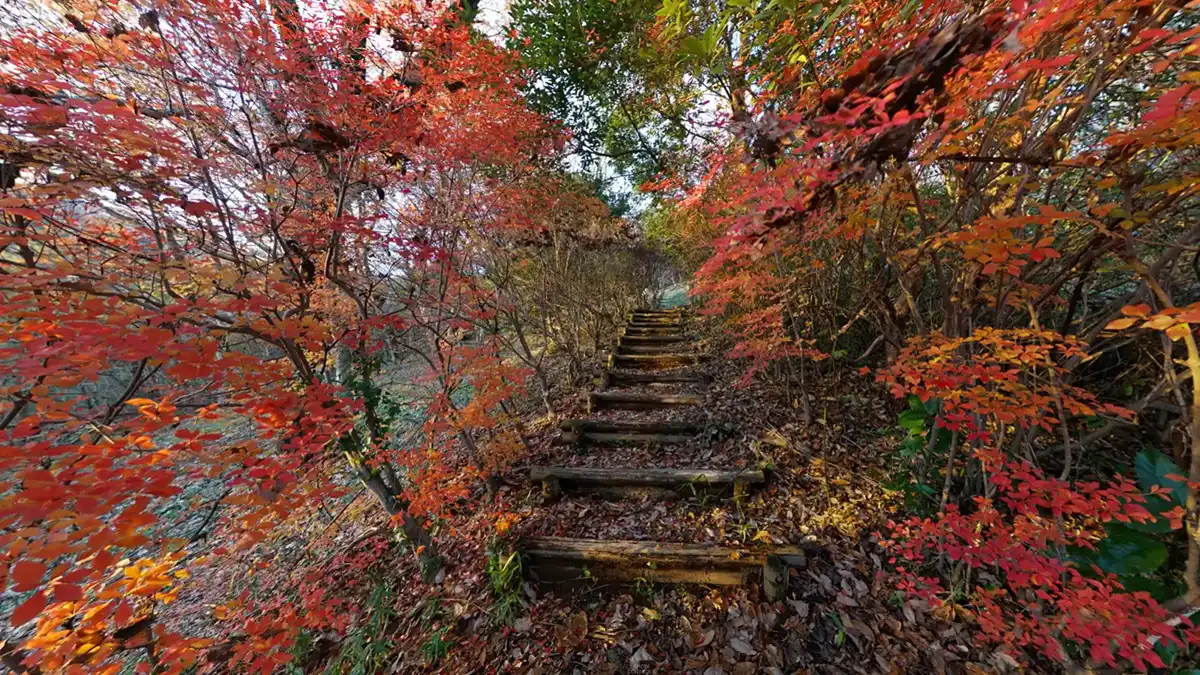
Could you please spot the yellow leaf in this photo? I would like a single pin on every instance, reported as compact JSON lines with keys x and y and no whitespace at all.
{"x":763,"y":536}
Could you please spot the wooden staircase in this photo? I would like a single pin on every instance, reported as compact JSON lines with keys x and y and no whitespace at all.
{"x":654,"y":352}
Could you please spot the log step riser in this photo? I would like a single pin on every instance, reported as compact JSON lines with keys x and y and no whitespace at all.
{"x":650,"y":379}
{"x":551,"y":571}
{"x":557,"y":560}
{"x":626,"y":350}
{"x":631,"y":401}
{"x":636,"y":405}
{"x":614,"y":438}
{"x":620,"y":483}
{"x":653,"y":361}
{"x":653,"y":331}
{"x":639,"y":427}
{"x":652,"y":339}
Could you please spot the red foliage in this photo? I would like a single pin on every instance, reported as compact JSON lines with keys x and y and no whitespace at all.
{"x":202,"y":204}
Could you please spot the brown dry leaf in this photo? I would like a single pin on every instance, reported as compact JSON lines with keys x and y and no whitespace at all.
{"x":742,"y":647}
{"x":745,"y":668}
{"x":639,"y":657}
{"x":572,"y":634}
{"x":702,"y":639}
{"x":773,"y":437}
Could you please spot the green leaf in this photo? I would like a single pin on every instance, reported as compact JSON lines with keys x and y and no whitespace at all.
{"x":911,"y":446}
{"x":913,"y":420}
{"x":1148,"y":584}
{"x":1127,"y":551}
{"x":694,"y":46}
{"x":1153,"y":467}
{"x":833,"y":16}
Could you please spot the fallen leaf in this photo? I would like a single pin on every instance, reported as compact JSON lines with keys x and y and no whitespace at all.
{"x":700,"y":640}
{"x":742,"y":647}
{"x":639,"y":657}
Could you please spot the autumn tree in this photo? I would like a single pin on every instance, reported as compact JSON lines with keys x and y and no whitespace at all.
{"x":218,"y":219}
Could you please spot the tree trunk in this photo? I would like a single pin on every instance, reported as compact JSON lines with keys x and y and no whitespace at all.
{"x":411,"y":527}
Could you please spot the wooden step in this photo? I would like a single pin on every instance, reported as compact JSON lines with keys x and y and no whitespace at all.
{"x":565,"y":560}
{"x":658,"y":312}
{"x":610,"y":378}
{"x":622,"y":483}
{"x":671,"y":316}
{"x":626,"y":400}
{"x":653,"y":339}
{"x":670,"y":331}
{"x":654,"y":323}
{"x":595,"y":431}
{"x":654,"y":361}
{"x":648,"y":349}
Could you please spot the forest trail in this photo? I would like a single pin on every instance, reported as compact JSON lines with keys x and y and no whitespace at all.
{"x":652,"y":368}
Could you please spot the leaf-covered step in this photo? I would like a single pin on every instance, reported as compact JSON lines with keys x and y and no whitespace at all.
{"x":623,"y":348}
{"x":654,"y":323}
{"x":624,"y":400}
{"x":653,"y":361}
{"x":595,"y":431}
{"x":658,"y":312}
{"x":616,"y":378}
{"x":621,"y":482}
{"x":653,"y":339}
{"x":566,"y":560}
{"x":672,"y":331}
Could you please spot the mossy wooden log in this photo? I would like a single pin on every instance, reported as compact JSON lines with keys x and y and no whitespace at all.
{"x":623,"y":400}
{"x":623,"y":483}
{"x":565,"y":560}
{"x":654,"y":361}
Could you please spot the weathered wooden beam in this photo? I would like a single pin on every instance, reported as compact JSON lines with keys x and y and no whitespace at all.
{"x":657,"y":317}
{"x":623,"y":400}
{"x":654,"y":323}
{"x":623,"y":348}
{"x":560,"y":559}
{"x":621,"y":438}
{"x":653,"y":339}
{"x":620,"y":379}
{"x":589,"y":431}
{"x":652,"y":361}
{"x":621,"y":483}
{"x":643,"y":427}
{"x":650,"y":330}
